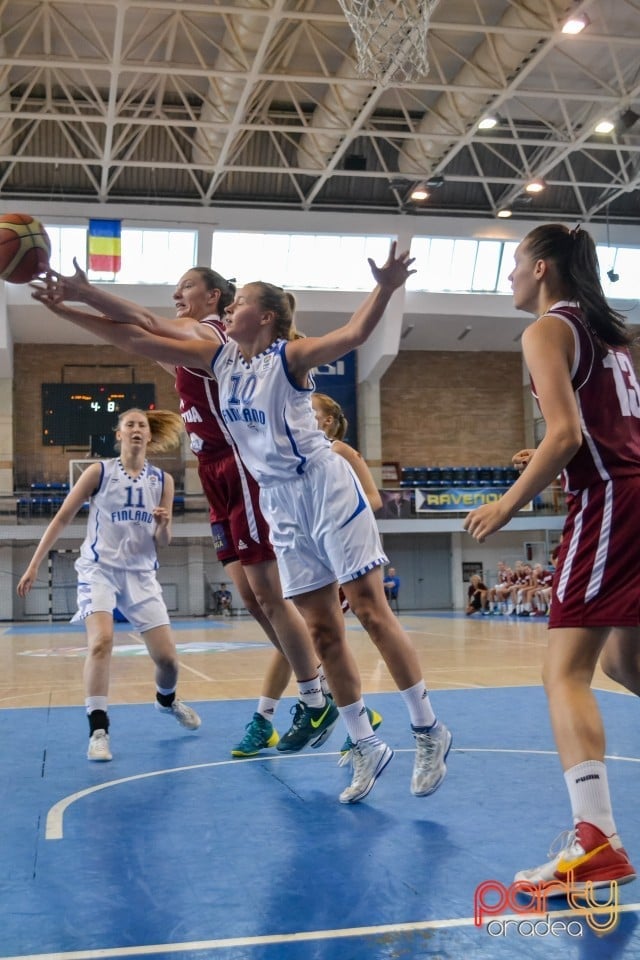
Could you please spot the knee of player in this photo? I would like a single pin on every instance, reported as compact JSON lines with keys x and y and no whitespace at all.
{"x":326,"y":638}
{"x":101,"y":645}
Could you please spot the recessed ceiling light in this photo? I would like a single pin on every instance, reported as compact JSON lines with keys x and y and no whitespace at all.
{"x":535,"y":186}
{"x":575,"y":25}
{"x":419,"y":192}
{"x":505,"y":213}
{"x":487,"y":123}
{"x":604,"y":126}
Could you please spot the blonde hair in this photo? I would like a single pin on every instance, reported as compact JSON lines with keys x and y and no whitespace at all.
{"x":166,"y":428}
{"x":330,"y":408}
{"x":282,"y":304}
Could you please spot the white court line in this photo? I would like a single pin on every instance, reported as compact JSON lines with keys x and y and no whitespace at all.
{"x":137,"y":638}
{"x":305,"y":936}
{"x":203,"y":676}
{"x":55,"y":816}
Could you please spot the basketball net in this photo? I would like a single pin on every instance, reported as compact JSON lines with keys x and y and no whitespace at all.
{"x":391,"y":37}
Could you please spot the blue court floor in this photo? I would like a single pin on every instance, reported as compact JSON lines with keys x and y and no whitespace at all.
{"x":175,"y":850}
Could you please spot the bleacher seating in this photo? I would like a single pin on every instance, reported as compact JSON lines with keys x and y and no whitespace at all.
{"x":44,"y":499}
{"x":476,"y":476}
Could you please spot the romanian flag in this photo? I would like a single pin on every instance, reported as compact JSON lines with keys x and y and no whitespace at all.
{"x":104,"y":245}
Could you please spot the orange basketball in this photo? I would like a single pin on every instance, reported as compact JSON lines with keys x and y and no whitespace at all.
{"x":25,"y":248}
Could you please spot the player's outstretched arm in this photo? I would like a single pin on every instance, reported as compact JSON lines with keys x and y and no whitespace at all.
{"x":131,"y":338}
{"x":309,"y":352}
{"x":77,"y":288}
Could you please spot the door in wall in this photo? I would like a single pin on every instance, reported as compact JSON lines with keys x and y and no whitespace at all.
{"x":423,"y":563}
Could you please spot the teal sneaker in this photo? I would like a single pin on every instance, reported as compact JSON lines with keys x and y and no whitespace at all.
{"x":311,"y":726}
{"x":375,"y":719}
{"x":259,"y":734}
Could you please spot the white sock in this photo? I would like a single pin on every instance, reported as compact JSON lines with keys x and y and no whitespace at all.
{"x":356,"y":720}
{"x":419,"y":706}
{"x":323,"y":681}
{"x":588,"y":788}
{"x":96,"y":703}
{"x":310,"y":692}
{"x":267,"y":707}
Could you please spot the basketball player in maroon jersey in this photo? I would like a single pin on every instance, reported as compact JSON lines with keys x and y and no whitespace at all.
{"x":583,"y":379}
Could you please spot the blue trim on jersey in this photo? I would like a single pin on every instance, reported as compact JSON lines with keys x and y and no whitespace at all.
{"x":366,"y":569}
{"x":362,"y":504}
{"x":294,"y":448}
{"x":92,"y":545}
{"x":215,"y":356}
{"x":279,"y":346}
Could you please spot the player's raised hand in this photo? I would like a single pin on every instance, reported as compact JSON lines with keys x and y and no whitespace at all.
{"x":522,"y":458}
{"x":395,"y":271}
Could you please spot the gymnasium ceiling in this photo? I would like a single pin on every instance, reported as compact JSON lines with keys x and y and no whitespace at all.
{"x":257,"y":103}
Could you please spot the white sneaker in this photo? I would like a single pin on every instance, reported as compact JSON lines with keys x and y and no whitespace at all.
{"x":185,"y":715}
{"x":369,"y":758}
{"x":429,"y":768}
{"x":99,"y":746}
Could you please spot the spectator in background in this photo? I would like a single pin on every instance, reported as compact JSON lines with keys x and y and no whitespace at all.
{"x":476,"y":595}
{"x":391,"y":584}
{"x":497,"y":595}
{"x":222,"y":600}
{"x":542,"y":596}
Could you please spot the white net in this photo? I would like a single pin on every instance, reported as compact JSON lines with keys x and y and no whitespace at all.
{"x":63,"y":584}
{"x":391,"y":37}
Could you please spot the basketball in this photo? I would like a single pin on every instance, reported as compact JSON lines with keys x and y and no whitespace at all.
{"x":25,"y":248}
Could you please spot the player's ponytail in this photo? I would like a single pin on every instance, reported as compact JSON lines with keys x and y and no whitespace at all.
{"x":337,"y":430}
{"x":167,"y":430}
{"x":215,"y":281}
{"x":574,"y":254}
{"x":165,"y":425}
{"x":282,"y":304}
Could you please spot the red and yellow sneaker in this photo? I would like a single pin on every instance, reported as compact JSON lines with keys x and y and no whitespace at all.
{"x":587,"y":855}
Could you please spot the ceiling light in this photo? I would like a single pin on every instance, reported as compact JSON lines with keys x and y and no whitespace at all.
{"x":535,"y":186}
{"x":505,"y":213}
{"x":613,"y":276}
{"x":604,"y":126}
{"x":419,"y":192}
{"x":575,"y":25}
{"x":488,"y":123}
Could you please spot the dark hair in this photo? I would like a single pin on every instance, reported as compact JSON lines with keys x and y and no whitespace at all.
{"x":332,"y":409}
{"x":576,"y":260}
{"x":215,"y":281}
{"x":282,"y":304}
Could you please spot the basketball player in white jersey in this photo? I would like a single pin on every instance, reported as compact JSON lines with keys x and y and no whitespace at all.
{"x":130,"y":511}
{"x":322,"y":528}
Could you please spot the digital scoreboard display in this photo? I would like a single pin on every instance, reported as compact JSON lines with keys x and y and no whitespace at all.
{"x":73,"y":413}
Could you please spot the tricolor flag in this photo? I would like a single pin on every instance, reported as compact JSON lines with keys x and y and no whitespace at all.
{"x":104,"y":245}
